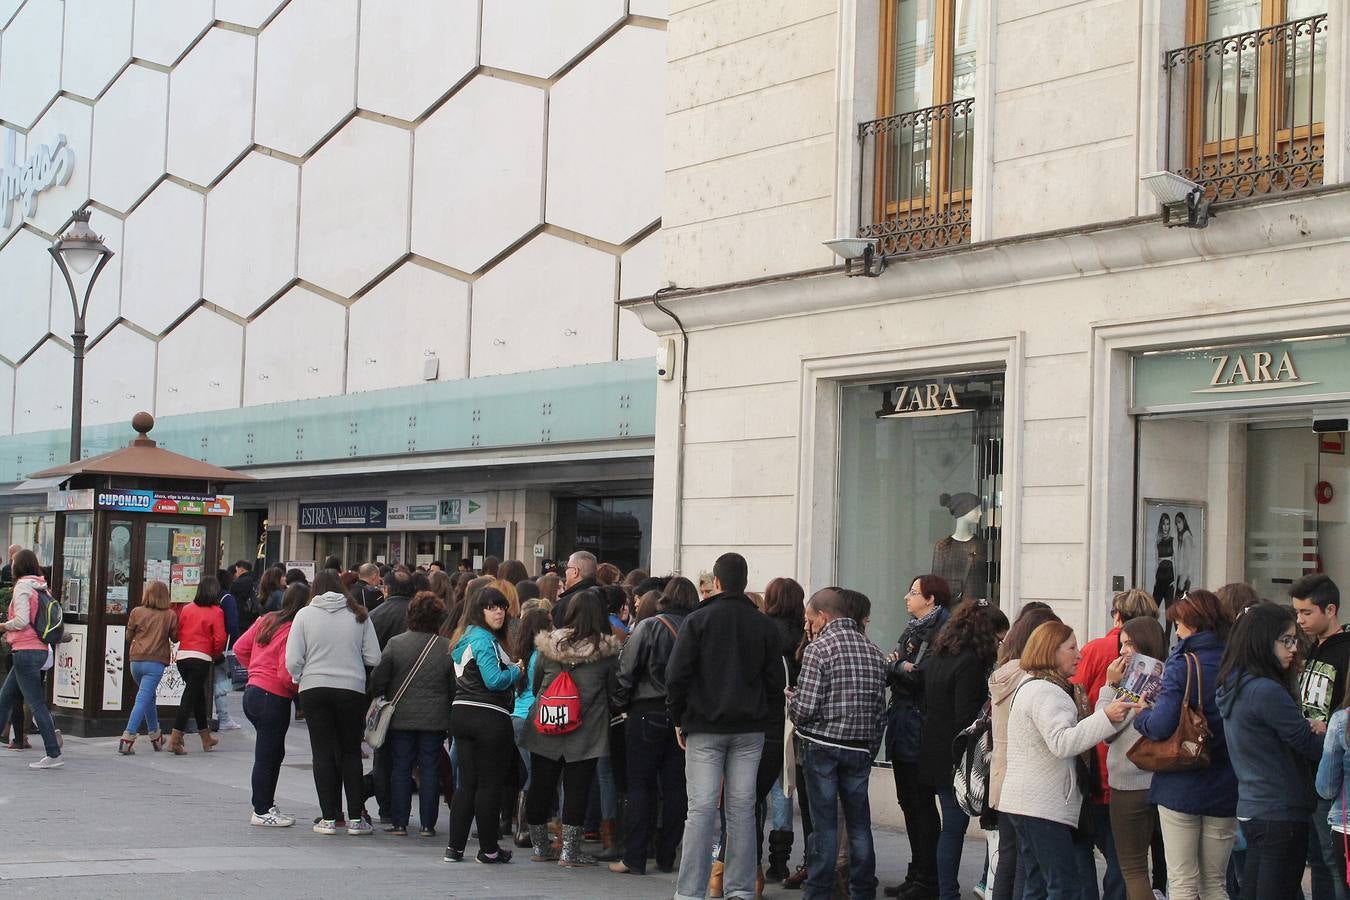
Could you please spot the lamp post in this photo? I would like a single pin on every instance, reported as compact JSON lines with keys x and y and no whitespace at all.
{"x":79,"y":249}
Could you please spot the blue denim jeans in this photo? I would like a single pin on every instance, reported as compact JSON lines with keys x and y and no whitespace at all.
{"x":25,"y":680}
{"x":780,"y":807}
{"x":421,"y":749}
{"x":270,"y":714}
{"x":654,"y":761}
{"x":1326,"y":856}
{"x":834,"y":777}
{"x":146,"y":673}
{"x":608,"y":790}
{"x":221,"y":686}
{"x":724,"y":764}
{"x":1050,"y":858}
{"x":1276,"y":852}
{"x":1113,"y":883}
{"x":950,"y":842}
{"x":518,"y":725}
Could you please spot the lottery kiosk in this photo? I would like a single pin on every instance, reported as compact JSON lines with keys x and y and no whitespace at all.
{"x":124,"y":519}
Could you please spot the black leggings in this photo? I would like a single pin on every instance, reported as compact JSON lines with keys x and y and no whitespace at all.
{"x":195,"y":672}
{"x":544,"y":776}
{"x":485,"y":746}
{"x":336,"y":720}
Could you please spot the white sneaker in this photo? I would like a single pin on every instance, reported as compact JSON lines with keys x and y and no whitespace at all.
{"x":360,"y":826}
{"x":273,"y":818}
{"x":1159,"y":895}
{"x":326,"y":826}
{"x":48,"y":763}
{"x":229,"y":726}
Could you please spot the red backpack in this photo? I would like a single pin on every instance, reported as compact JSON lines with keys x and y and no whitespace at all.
{"x":559,"y":707}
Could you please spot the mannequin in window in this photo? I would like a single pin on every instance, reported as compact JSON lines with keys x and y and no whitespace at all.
{"x":1164,"y":577}
{"x":960,"y":558}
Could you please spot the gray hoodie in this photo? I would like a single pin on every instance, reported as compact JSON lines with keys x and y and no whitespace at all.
{"x":327,"y":647}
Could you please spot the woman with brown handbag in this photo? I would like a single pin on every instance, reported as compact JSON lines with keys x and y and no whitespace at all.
{"x":1197,"y":807}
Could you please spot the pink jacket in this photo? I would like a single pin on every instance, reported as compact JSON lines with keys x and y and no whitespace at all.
{"x":19,"y":632}
{"x":266,"y":663}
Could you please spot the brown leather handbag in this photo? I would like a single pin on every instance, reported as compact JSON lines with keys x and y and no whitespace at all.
{"x":1188,"y":747}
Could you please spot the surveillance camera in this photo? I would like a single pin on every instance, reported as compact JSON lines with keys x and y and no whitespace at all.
{"x":665,"y":359}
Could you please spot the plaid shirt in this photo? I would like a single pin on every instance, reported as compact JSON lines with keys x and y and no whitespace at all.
{"x":841,"y":696}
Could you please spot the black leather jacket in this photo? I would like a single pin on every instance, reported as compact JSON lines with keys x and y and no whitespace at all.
{"x":642,"y":663}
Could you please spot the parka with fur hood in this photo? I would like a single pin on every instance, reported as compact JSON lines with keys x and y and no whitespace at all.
{"x":595,"y":671}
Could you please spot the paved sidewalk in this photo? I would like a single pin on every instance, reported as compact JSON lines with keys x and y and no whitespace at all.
{"x":156,"y":825}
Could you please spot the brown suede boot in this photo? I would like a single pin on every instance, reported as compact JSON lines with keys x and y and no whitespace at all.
{"x":609,"y":840}
{"x":208,"y":742}
{"x":759,"y":882}
{"x":715,"y":880}
{"x":176,"y":743}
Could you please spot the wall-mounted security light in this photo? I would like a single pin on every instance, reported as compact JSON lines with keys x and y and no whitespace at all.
{"x":862,"y":250}
{"x":1183,"y":201}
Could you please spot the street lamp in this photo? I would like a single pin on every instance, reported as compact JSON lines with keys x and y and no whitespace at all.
{"x":79,"y":249}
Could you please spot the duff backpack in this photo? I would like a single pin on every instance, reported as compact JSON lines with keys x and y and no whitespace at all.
{"x":559,"y":708}
{"x":50,"y":622}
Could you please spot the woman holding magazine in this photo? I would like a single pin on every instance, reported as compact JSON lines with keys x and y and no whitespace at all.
{"x":1133,"y":818}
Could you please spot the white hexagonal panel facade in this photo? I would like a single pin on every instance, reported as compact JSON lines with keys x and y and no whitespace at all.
{"x":478,"y":173}
{"x":16,"y":208}
{"x":604,"y":139}
{"x":249,"y":13}
{"x":6,"y":398}
{"x":30,"y":62}
{"x":412,"y":52}
{"x":211,"y":106}
{"x":639,"y":276}
{"x":294,"y":349}
{"x":382,"y":352}
{"x":119,"y":377}
{"x":97,"y":44}
{"x":162,"y":263}
{"x":130,"y":122}
{"x":165,"y":28}
{"x":42,"y":384}
{"x":7,"y":10}
{"x":105,"y":303}
{"x":353,"y":195}
{"x":25,"y":293}
{"x":656,"y":9}
{"x":539,"y":37}
{"x":306,"y":74}
{"x":66,"y":123}
{"x":528,"y":315}
{"x":251,"y":215}
{"x":199,"y":365}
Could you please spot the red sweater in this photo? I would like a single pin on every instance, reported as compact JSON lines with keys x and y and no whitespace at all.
{"x":201,"y":631}
{"x":1091,"y":674}
{"x":266,"y":663}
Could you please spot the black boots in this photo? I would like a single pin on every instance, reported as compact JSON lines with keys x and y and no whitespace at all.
{"x":780,"y":849}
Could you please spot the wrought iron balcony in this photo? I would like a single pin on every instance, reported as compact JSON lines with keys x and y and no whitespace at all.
{"x":1245,"y":112}
{"x":915,"y":191}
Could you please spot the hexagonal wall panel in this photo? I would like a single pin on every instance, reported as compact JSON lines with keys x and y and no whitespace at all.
{"x":25,"y":293}
{"x":211,"y":106}
{"x":73,"y":119}
{"x":541,"y":40}
{"x":381,"y":350}
{"x":306,"y":73}
{"x":119,"y":377}
{"x":412,"y":52}
{"x":478,"y":173}
{"x":639,"y":276}
{"x":656,"y":9}
{"x":97,"y":44}
{"x":604,"y":139}
{"x":162,"y":263}
{"x":6,"y":398}
{"x":293,"y":349}
{"x":251,"y":215}
{"x":165,"y":28}
{"x":551,"y":303}
{"x":354,"y":206}
{"x":249,"y":13}
{"x":7,"y":10}
{"x":42,"y":391}
{"x":15,"y":209}
{"x":200,"y":363}
{"x":30,"y":62}
{"x":106,"y":300}
{"x":129,"y":151}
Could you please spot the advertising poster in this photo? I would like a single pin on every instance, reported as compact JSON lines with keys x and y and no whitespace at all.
{"x":114,"y":666}
{"x":1172,"y":541}
{"x":170,"y":691}
{"x":68,"y":678}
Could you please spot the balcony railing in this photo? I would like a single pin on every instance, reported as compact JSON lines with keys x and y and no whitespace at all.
{"x":915,"y":191}
{"x":1245,"y":112}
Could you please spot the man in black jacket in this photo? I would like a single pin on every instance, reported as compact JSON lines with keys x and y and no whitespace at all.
{"x":577,"y":577}
{"x":725,"y":671}
{"x":368,"y":589}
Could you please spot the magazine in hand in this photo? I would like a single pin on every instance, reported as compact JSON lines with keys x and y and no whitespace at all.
{"x":1142,"y":679}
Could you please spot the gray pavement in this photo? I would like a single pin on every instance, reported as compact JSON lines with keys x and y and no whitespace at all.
{"x":156,"y":825}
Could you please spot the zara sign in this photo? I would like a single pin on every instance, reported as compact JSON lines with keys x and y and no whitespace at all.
{"x":47,"y":167}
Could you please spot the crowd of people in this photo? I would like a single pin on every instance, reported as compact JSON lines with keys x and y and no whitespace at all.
{"x":596,"y":716}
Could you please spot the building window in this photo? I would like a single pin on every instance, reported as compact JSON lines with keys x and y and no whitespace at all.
{"x":617,"y":530}
{"x":1246,"y":96}
{"x":920,"y":490}
{"x":918,"y":154}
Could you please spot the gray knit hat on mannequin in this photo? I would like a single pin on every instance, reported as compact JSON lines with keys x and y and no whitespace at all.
{"x":959,"y":504}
